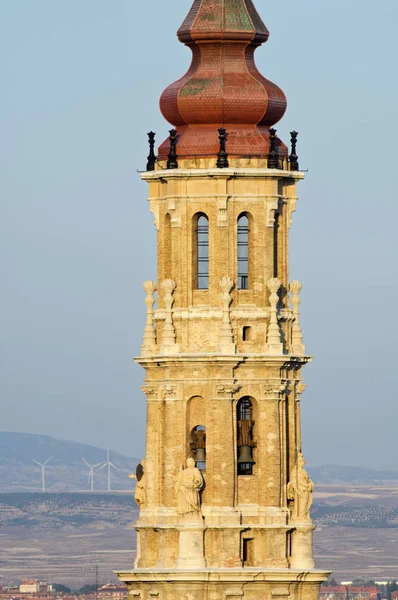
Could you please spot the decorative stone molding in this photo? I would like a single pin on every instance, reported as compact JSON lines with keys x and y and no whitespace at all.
{"x":274,"y":343}
{"x":291,"y":207}
{"x":228,"y":389}
{"x":276,"y":389}
{"x":134,"y":593}
{"x":169,"y":345}
{"x":231,"y":593}
{"x":280,"y":592}
{"x":174,"y":212}
{"x":297,"y":335}
{"x":168,"y":391}
{"x":222,"y":217}
{"x":300,"y":389}
{"x":226,"y":345}
{"x":272,"y":205}
{"x":149,"y":340}
{"x":148,"y":391}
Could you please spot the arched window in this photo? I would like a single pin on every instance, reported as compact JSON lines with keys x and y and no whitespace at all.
{"x":245,"y":442}
{"x":243,"y":252}
{"x":201,"y":252}
{"x":198,"y":446}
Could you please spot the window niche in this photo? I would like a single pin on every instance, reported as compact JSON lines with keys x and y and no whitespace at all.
{"x":243,"y":251}
{"x":245,"y":442}
{"x":198,"y":446}
{"x":200,"y":252}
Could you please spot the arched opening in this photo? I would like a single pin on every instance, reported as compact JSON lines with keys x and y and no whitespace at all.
{"x":243,"y":252}
{"x":245,"y":442}
{"x":246,"y":334}
{"x":201,"y":252}
{"x":198,"y":446}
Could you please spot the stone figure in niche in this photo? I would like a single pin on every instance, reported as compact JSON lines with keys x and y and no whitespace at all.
{"x":188,"y":486}
{"x":300,"y":489}
{"x":140,"y":493}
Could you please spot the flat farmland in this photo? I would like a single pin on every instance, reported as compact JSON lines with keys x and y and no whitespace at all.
{"x":64,"y":537}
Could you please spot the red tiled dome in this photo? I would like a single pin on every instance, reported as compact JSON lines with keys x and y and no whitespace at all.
{"x":222,"y":86}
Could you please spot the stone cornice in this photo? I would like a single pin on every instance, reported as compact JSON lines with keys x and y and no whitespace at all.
{"x":221,"y":173}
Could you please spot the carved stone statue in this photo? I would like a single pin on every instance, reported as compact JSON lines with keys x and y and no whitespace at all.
{"x":188,"y":487}
{"x":300,"y":489}
{"x":140,"y":493}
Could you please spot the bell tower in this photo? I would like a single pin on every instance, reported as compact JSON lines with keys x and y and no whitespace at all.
{"x":224,"y":495}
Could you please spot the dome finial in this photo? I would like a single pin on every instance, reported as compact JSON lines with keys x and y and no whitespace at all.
{"x":223,"y":88}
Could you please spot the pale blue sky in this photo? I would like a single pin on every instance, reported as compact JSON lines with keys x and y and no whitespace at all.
{"x":80,"y":87}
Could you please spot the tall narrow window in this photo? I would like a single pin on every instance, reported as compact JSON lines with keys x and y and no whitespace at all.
{"x":245,"y":443}
{"x":202,"y":245}
{"x":243,"y":252}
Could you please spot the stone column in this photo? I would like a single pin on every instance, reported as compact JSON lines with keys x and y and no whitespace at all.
{"x":273,"y":444}
{"x":174,"y":447}
{"x":149,"y":342}
{"x":297,"y":334}
{"x":274,"y":344}
{"x":154,"y":420}
{"x":221,"y":462}
{"x":302,"y":557}
{"x":169,"y":345}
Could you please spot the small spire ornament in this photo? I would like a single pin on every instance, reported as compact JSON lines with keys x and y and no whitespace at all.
{"x":273,"y":159}
{"x":150,"y":165}
{"x":293,"y":158}
{"x":172,"y":162}
{"x":222,"y":156}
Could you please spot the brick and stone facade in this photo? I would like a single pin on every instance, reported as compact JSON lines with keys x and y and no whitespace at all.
{"x":206,"y":349}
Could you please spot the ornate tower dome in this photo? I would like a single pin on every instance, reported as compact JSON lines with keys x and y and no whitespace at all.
{"x":223,"y":87}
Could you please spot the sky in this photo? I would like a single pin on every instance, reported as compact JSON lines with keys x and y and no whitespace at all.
{"x":80,"y":88}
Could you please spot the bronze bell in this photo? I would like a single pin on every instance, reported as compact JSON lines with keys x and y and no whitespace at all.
{"x":200,"y":455}
{"x":245,"y":455}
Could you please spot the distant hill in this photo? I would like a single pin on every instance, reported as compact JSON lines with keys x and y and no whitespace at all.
{"x":355,"y":475}
{"x":66,"y":470}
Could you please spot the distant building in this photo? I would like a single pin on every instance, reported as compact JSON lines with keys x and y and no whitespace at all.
{"x":347,"y":592}
{"x":110,"y":591}
{"x":34,"y":586}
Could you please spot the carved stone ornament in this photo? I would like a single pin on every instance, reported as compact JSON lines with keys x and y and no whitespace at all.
{"x":169,"y":345}
{"x":300,"y":490}
{"x":274,"y":343}
{"x":300,"y":389}
{"x":149,"y":341}
{"x":148,"y":390}
{"x":169,"y":390}
{"x":280,"y":592}
{"x":277,"y":388}
{"x":188,"y":487}
{"x":140,"y":488}
{"x":228,"y":389}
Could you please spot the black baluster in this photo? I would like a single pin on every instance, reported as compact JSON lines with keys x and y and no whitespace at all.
{"x":150,"y":165}
{"x":293,"y":158}
{"x":222,"y":156}
{"x":172,"y":163}
{"x":273,"y":160}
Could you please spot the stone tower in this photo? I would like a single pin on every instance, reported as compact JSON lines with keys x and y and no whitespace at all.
{"x":223,"y":350}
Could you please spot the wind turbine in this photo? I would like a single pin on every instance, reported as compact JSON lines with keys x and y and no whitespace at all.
{"x":91,"y":472}
{"x":108,"y":464}
{"x":43,"y":471}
